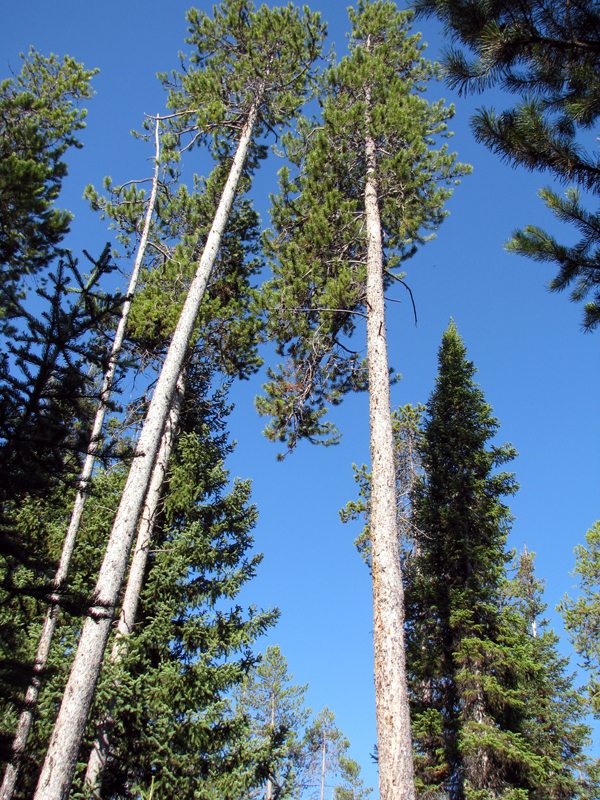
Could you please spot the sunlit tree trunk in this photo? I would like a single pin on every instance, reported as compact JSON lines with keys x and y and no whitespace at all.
{"x":100,"y":750}
{"x":41,"y":659}
{"x":324,"y":763}
{"x":396,"y":775}
{"x":61,"y":758}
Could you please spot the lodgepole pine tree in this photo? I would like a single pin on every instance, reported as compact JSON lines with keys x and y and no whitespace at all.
{"x":324,"y":746}
{"x":39,"y":119}
{"x":368,"y":188}
{"x":352,"y":784}
{"x":45,"y":642}
{"x":275,"y":707}
{"x":262,"y":59}
{"x":137,"y":572}
{"x":226,"y":326}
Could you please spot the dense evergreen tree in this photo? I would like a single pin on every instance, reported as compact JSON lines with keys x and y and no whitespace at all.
{"x":547,"y":53}
{"x":553,"y":721}
{"x":191,"y":643}
{"x":494,"y":713}
{"x":582,"y":615}
{"x":47,"y":395}
{"x":39,"y":120}
{"x":366,"y":189}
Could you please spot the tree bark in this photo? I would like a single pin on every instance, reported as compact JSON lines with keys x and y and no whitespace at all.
{"x":396,"y":774}
{"x":100,"y":750}
{"x":323,"y":763}
{"x":61,"y":758}
{"x":269,"y":781}
{"x":41,"y":658}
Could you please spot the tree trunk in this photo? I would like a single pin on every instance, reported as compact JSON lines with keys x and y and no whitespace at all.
{"x":396,"y":775}
{"x":323,"y":763}
{"x":270,"y":782}
{"x":61,"y":758}
{"x":41,"y":658}
{"x":100,"y":750}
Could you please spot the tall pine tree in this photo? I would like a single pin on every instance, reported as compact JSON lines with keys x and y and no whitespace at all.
{"x":367,"y":188}
{"x":263,"y":59}
{"x":276,"y":710}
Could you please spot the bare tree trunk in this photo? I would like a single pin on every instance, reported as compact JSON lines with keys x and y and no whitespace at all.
{"x":61,"y":758}
{"x":324,"y":763}
{"x":41,"y":658}
{"x":100,"y":750}
{"x":396,"y":774}
{"x":270,"y":782}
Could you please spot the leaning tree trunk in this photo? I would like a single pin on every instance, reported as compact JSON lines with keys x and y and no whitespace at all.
{"x":41,"y":658}
{"x":100,"y":750}
{"x":396,"y":774}
{"x":61,"y":758}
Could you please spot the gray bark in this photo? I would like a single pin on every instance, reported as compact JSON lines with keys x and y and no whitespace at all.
{"x":270,"y":782}
{"x":61,"y":758}
{"x":323,"y":763}
{"x":100,"y":750}
{"x":41,"y":658}
{"x":396,"y":774}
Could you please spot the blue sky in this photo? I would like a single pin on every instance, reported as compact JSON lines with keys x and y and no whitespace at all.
{"x":538,"y":371}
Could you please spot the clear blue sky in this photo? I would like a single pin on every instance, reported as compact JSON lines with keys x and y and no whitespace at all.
{"x":538,"y":371}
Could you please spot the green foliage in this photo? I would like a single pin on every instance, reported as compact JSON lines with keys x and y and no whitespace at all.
{"x":39,"y":118}
{"x":317,"y":251}
{"x":494,"y":711}
{"x":554,"y":721}
{"x":41,"y":522}
{"x":243,"y":56}
{"x":582,"y":616}
{"x":406,"y":427}
{"x":227,"y":326}
{"x":547,"y":53}
{"x":276,"y":712}
{"x":192,"y":642}
{"x":46,"y":375}
{"x":352,"y":787}
{"x":47,"y":397}
{"x":324,"y":747}
{"x":190,"y":648}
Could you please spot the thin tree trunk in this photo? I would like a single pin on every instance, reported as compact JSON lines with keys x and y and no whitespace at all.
{"x":100,"y":750}
{"x":323,"y":763}
{"x":41,"y":658}
{"x":61,"y":758}
{"x":396,"y":774}
{"x":270,"y":782}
